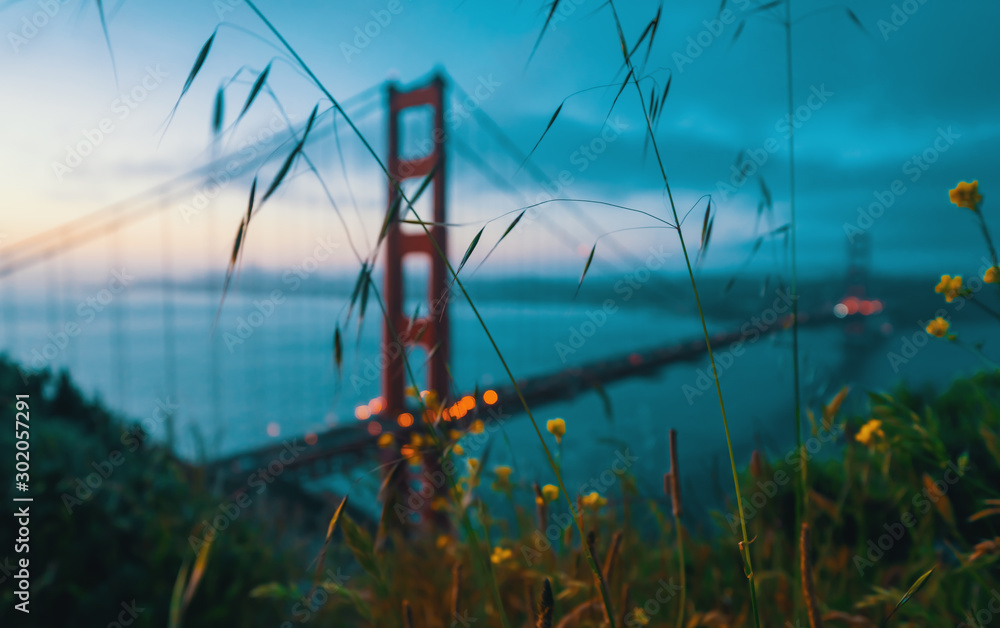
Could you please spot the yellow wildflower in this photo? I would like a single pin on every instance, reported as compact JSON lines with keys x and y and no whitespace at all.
{"x":870,"y":431}
{"x":639,"y":617}
{"x":458,"y":450}
{"x":550,"y":492}
{"x":384,"y":440}
{"x":473,"y":464}
{"x":431,"y":401}
{"x":938,"y":327}
{"x":949,"y":286}
{"x":443,"y":541}
{"x":992,"y":275}
{"x":503,"y":473}
{"x":454,"y":434}
{"x":500,"y":554}
{"x":594,"y":500}
{"x":556,"y":427}
{"x":477,"y":427}
{"x":966,"y":195}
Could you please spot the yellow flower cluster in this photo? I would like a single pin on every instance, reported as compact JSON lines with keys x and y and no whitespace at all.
{"x":639,"y":617}
{"x":992,"y":275}
{"x":938,"y":327}
{"x":869,"y":432}
{"x":594,"y":500}
{"x":503,"y":473}
{"x":550,"y":492}
{"x":966,"y":195}
{"x":500,"y":555}
{"x":949,"y":286}
{"x":556,"y":427}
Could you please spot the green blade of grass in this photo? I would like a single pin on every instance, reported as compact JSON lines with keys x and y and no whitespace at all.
{"x":198,"y":571}
{"x":198,"y":63}
{"x":468,"y":251}
{"x":230,"y":268}
{"x":246,"y":228}
{"x":618,"y":95}
{"x":321,"y":557}
{"x":338,"y":349}
{"x":548,"y":19}
{"x":218,"y":110}
{"x":107,"y":37}
{"x":738,"y":32}
{"x":909,"y":594}
{"x":177,"y":595}
{"x":287,"y":165}
{"x":854,"y":18}
{"x":361,"y":546}
{"x":508,"y":230}
{"x":586,"y":267}
{"x":548,"y":126}
{"x":254,"y":91}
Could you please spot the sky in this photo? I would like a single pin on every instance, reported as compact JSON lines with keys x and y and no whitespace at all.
{"x":894,"y":113}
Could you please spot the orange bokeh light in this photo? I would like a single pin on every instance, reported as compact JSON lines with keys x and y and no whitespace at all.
{"x":490,"y":397}
{"x":468,"y":402}
{"x":851,"y":303}
{"x":311,"y":439}
{"x":374,"y":428}
{"x":377,"y":405}
{"x":405,"y":420}
{"x":362,"y":413}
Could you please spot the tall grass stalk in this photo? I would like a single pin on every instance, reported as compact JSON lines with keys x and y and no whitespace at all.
{"x":676,"y":507}
{"x":444,"y":257}
{"x":701,"y":313}
{"x":800,"y":482}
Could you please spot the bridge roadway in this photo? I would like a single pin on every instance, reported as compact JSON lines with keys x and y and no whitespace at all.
{"x":340,"y":448}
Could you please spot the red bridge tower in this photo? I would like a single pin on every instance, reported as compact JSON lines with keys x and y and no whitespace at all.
{"x":431,"y":331}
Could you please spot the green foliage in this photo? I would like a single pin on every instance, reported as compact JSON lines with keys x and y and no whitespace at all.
{"x":94,"y":549}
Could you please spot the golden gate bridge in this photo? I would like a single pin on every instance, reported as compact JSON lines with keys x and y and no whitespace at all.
{"x":339,"y":447}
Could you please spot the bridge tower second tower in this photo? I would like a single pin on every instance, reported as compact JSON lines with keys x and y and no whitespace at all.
{"x":430,"y":331}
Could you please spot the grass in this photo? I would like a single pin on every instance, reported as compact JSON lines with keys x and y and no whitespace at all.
{"x":919,"y":497}
{"x":878,"y":501}
{"x":859,"y":492}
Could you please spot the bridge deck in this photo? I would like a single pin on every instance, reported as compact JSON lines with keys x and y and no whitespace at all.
{"x":342,"y":446}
